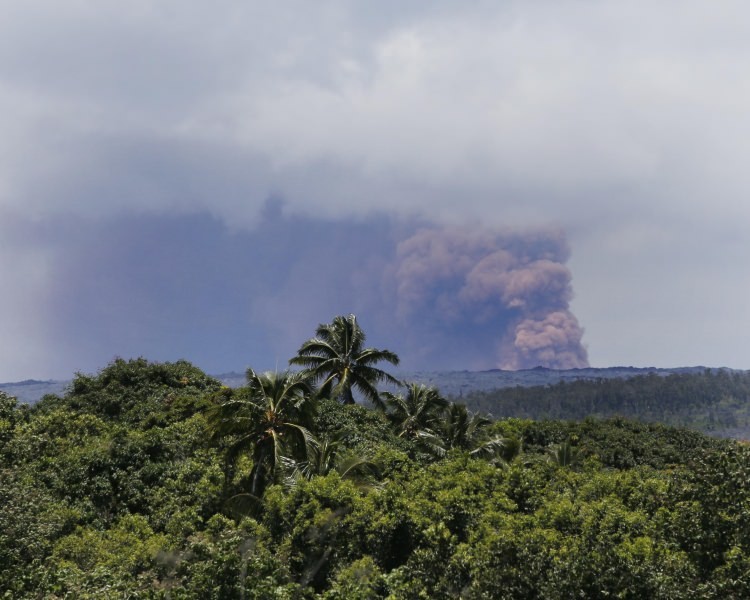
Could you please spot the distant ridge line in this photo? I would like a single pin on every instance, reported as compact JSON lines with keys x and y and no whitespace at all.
{"x":450,"y":383}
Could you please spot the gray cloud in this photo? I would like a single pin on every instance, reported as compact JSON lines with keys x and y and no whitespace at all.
{"x":170,"y":287}
{"x":623,"y":124}
{"x":549,"y":107}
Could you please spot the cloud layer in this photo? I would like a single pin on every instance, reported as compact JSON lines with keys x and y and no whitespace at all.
{"x":545,"y":107}
{"x":622,"y":124}
{"x":170,"y":287}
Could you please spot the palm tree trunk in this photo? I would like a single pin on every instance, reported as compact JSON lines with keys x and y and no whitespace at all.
{"x":346,"y":396}
{"x":257,"y":482}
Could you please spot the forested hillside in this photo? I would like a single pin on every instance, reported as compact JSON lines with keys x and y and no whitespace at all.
{"x":716,"y":401}
{"x":152,"y":480}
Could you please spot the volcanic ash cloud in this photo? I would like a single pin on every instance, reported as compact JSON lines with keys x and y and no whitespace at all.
{"x":487,"y":298}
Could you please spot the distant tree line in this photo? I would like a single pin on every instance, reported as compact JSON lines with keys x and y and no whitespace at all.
{"x":715,"y":401}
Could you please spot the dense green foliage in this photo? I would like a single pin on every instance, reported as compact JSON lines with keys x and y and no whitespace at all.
{"x":715,"y":401}
{"x":131,"y":485}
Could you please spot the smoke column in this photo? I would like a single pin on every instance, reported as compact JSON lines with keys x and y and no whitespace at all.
{"x":487,"y":299}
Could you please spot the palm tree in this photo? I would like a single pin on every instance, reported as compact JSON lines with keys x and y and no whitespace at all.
{"x":565,"y":454}
{"x":462,"y":428}
{"x":337,"y":356}
{"x":328,"y":455}
{"x":418,"y":414}
{"x":268,"y":418}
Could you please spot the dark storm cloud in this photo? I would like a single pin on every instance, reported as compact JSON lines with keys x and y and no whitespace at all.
{"x":167,"y":287}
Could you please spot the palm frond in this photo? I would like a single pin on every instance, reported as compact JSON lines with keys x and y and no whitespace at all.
{"x":308,"y":439}
{"x":564,"y":454}
{"x":492,"y":448}
{"x":363,"y":472}
{"x":241,"y":505}
{"x":312,"y":352}
{"x":431,"y":441}
{"x":370,"y":356}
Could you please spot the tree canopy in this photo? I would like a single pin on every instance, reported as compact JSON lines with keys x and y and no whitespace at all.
{"x":123,"y":486}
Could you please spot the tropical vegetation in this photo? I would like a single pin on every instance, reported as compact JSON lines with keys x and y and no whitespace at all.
{"x":152,"y":480}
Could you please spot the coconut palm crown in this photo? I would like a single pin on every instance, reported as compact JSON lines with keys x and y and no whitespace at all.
{"x":337,"y":357}
{"x":417,"y":413}
{"x":268,"y":418}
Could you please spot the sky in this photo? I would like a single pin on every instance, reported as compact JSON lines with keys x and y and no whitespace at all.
{"x":485,"y":184}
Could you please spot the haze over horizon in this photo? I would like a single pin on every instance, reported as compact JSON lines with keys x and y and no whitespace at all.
{"x":484,"y":185}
